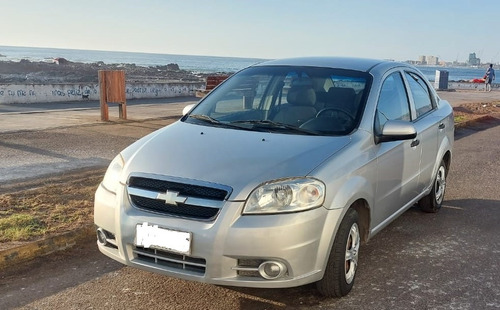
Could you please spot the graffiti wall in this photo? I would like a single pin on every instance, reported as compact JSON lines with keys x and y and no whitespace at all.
{"x":35,"y":93}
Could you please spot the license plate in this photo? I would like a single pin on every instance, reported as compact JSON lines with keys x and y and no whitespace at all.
{"x":152,"y":236}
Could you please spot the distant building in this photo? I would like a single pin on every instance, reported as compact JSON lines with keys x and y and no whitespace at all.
{"x":432,"y":60}
{"x":473,"y":60}
{"x":428,"y":60}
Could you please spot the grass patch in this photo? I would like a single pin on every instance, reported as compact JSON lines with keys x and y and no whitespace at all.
{"x":460,"y":118}
{"x":48,"y":207}
{"x":20,"y":227}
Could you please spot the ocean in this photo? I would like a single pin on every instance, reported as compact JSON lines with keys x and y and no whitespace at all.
{"x":186,"y":62}
{"x":202,"y":64}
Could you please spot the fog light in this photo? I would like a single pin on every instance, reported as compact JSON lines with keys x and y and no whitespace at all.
{"x":101,"y":236}
{"x":272,"y":270}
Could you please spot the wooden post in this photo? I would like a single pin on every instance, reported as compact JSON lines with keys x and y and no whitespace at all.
{"x":102,"y":96}
{"x":112,"y":89}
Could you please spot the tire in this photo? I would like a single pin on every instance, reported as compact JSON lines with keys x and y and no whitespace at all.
{"x":433,"y":201}
{"x":341,"y":268}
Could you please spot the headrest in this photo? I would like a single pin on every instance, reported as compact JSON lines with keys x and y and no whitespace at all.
{"x":301,"y":95}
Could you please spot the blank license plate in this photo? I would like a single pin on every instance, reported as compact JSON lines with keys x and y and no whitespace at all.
{"x":152,"y":236}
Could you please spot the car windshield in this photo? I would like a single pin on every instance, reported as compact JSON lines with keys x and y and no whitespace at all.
{"x":285,"y":99}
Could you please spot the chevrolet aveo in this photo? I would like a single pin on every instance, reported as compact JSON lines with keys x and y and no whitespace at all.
{"x":276,"y":177}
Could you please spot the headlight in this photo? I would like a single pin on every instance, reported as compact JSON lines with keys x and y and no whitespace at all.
{"x":111,"y":178}
{"x":283,"y":196}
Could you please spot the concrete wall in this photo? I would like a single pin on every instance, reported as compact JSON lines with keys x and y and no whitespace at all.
{"x":35,"y":93}
{"x":465,"y":85}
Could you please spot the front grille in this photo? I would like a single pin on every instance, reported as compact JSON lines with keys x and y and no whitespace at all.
{"x":191,"y":199}
{"x":183,"y":188}
{"x":181,"y":209}
{"x":171,"y":260}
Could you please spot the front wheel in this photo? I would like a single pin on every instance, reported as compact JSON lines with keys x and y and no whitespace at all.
{"x":343,"y":261}
{"x":434,"y":200}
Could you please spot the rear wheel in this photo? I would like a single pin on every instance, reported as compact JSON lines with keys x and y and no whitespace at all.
{"x":434,"y":200}
{"x":343,"y":261}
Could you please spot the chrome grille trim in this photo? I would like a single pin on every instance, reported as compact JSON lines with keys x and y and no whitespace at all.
{"x":134,"y":191}
{"x":175,"y":261}
{"x":188,"y":182}
{"x":177,"y":197}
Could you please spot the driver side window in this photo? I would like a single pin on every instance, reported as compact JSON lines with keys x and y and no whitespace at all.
{"x":392,"y":103}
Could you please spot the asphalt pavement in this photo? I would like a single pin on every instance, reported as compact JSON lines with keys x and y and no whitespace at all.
{"x":39,"y":116}
{"x":44,"y":139}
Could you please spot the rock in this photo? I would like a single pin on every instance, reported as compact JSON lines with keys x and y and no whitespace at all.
{"x":173,"y":67}
{"x":61,"y":61}
{"x":76,"y":72}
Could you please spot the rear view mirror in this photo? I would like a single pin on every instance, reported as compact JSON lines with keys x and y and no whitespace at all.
{"x":187,"y":109}
{"x":396,"y":130}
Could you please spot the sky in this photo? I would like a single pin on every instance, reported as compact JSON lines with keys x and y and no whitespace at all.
{"x":387,"y":29}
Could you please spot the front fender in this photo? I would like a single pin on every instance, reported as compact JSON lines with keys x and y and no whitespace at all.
{"x":350,"y":191}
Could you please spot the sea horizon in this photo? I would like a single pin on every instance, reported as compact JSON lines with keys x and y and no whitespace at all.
{"x":193,"y":63}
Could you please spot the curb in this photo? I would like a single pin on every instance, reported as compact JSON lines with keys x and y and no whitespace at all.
{"x":29,"y":251}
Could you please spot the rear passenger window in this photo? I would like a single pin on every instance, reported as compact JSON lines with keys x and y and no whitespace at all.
{"x":420,"y":93}
{"x":392,"y":102}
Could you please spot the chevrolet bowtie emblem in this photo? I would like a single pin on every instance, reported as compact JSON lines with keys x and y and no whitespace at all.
{"x":171,"y":198}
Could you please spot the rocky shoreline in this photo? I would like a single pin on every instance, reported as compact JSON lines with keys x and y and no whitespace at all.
{"x":64,"y":71}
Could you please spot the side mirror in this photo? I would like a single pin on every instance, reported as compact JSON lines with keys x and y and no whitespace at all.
{"x":396,"y":131}
{"x":187,"y":109}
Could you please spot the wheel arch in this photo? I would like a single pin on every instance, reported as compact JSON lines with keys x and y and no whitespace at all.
{"x":362,"y":208}
{"x":447,"y":160}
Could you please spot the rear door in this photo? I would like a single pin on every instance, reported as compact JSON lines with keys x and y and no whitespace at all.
{"x":427,"y":124}
{"x":398,"y":162}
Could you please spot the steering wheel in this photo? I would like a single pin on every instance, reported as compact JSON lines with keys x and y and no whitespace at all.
{"x":336,"y":111}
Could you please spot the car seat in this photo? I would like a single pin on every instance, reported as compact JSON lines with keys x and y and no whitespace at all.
{"x":300,"y":106}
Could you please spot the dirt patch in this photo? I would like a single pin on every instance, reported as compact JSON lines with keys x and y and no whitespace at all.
{"x":470,"y":111}
{"x":37,"y":209}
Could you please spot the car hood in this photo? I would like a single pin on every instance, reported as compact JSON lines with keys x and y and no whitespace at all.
{"x":236,"y":158}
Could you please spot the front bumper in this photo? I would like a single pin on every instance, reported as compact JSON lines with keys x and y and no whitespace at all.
{"x":226,"y":250}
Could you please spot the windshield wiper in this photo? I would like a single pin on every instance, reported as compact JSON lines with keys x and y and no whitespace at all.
{"x":268,"y":124}
{"x":205,"y":118}
{"x":211,"y":120}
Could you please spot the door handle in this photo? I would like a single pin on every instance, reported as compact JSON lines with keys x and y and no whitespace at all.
{"x":415,"y":143}
{"x":441,"y":126}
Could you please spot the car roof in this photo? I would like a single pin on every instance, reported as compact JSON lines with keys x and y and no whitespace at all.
{"x":349,"y":63}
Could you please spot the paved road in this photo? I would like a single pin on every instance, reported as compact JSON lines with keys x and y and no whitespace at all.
{"x":448,"y":260}
{"x":42,"y":139}
{"x":459,"y":97}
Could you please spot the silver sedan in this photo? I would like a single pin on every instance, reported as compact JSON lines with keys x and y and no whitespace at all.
{"x":276,"y":177}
